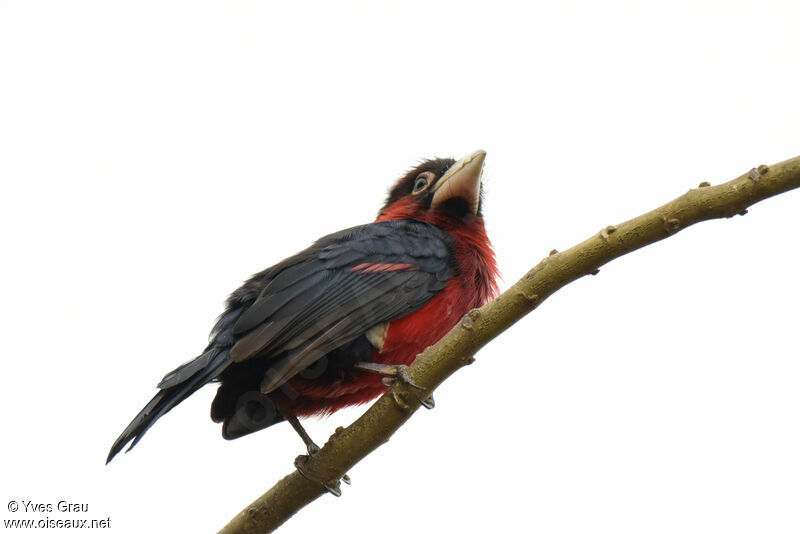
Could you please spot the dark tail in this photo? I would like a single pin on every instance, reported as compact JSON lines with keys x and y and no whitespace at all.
{"x":174,"y":388}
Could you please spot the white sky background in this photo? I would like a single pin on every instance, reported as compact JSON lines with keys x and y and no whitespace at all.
{"x":155,"y":154}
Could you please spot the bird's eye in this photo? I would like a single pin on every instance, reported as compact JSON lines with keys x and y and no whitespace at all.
{"x":422,"y":182}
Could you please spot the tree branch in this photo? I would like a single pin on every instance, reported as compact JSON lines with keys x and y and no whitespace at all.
{"x":347,"y":446}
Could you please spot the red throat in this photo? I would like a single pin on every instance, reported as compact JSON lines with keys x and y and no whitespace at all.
{"x":472,"y":248}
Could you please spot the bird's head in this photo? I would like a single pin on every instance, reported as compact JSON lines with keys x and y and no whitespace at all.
{"x":442,"y":191}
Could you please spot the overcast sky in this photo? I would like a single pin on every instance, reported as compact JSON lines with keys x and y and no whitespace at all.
{"x":155,"y":154}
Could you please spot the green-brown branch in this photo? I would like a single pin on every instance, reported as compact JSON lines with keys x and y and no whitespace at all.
{"x":347,"y":446}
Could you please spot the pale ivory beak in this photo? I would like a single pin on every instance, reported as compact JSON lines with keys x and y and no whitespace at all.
{"x":462,"y":180}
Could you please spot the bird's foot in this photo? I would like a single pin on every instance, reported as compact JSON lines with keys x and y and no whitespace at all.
{"x":333,"y":489}
{"x":393,"y":374}
{"x":400,"y":374}
{"x":312,"y":449}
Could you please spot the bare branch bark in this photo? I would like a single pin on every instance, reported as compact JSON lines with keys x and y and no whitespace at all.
{"x":347,"y":446}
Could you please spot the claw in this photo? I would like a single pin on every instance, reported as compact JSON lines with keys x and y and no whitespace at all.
{"x":402,"y":376}
{"x":336,"y":490}
{"x":298,"y":464}
{"x":428,"y":404}
{"x":313,"y":449}
{"x":399,"y":401}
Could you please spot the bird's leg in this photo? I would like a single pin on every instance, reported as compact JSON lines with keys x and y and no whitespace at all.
{"x":312,"y":449}
{"x":393,"y":374}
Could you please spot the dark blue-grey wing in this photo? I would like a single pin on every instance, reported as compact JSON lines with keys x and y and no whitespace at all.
{"x":343,"y":285}
{"x":316,"y":301}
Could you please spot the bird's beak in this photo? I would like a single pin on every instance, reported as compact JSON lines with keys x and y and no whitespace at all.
{"x":462,"y":180}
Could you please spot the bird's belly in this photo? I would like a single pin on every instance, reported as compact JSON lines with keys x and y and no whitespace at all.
{"x":408,"y":336}
{"x":402,"y":341}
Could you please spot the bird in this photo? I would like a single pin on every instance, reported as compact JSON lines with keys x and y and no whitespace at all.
{"x":338,"y":323}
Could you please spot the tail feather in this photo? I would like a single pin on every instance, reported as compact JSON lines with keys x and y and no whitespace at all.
{"x":187,"y":370}
{"x":215,"y":361}
{"x":239,"y":404}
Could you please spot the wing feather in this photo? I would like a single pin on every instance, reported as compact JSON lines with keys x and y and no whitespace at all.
{"x":319,"y":303}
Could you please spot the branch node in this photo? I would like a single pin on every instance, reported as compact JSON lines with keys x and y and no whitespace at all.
{"x":468,"y":321}
{"x":754,"y":174}
{"x":763,"y":169}
{"x":595,"y":272}
{"x":531,"y":298}
{"x":743,"y":212}
{"x":553,"y":252}
{"x":672,"y":224}
{"x":605,"y":232}
{"x":704,"y":184}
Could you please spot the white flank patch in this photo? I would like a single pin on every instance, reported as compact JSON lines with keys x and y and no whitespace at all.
{"x":377,"y":335}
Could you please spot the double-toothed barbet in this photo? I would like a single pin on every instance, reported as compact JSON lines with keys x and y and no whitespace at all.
{"x":315,"y":332}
